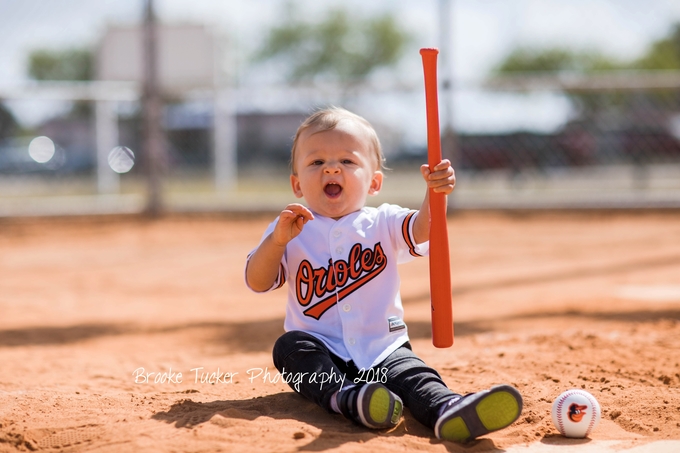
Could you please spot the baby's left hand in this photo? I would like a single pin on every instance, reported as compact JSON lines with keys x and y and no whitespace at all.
{"x":442,"y":179}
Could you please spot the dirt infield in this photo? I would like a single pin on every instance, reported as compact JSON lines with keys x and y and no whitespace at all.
{"x":545,"y":302}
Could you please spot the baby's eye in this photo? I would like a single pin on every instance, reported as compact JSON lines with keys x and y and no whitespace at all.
{"x":317,"y":162}
{"x":347,"y":161}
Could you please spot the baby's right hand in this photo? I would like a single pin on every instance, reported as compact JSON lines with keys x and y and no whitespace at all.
{"x":290,"y":224}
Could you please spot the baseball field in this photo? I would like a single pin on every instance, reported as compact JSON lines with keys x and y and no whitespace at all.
{"x":127,"y":335}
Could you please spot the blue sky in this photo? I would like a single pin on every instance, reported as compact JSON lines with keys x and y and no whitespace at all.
{"x":482,"y":31}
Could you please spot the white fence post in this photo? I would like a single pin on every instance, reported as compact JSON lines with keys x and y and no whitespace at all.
{"x":224,"y":141}
{"x":108,"y":181}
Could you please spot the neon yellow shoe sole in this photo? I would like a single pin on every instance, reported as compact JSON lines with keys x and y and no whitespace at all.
{"x":480,"y":413}
{"x":378,"y":407}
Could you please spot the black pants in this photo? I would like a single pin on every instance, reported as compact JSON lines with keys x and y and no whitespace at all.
{"x":315,"y":373}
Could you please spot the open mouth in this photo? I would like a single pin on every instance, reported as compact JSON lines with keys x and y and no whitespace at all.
{"x":332,"y":190}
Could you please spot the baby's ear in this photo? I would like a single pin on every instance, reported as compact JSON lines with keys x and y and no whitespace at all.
{"x":376,"y":183}
{"x":295,"y":185}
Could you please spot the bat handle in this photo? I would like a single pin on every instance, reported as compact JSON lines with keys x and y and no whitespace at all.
{"x":434,"y":149}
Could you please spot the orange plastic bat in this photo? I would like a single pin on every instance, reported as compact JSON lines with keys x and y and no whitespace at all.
{"x":440,"y":268}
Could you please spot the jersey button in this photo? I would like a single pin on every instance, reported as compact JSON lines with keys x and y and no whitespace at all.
{"x":351,"y":341}
{"x":339,"y":250}
{"x":337,"y":233}
{"x":347,"y":307}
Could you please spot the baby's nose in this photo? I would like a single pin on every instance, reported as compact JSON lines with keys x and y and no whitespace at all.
{"x":331,"y":168}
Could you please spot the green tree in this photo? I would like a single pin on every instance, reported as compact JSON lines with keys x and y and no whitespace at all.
{"x":554,"y":60}
{"x":341,"y":47}
{"x":70,"y":64}
{"x":663,"y":54}
{"x":64,"y":65}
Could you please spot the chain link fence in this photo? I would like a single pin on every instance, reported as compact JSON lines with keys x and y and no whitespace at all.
{"x":616,"y":147}
{"x":618,"y":144}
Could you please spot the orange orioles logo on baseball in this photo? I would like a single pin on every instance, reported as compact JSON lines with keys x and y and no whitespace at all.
{"x":338,"y":280}
{"x":577,"y":412}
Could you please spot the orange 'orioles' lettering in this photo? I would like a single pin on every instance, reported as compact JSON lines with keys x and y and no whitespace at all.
{"x":363,"y":266}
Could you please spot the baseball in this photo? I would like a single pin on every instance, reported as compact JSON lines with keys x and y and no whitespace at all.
{"x":576,"y":413}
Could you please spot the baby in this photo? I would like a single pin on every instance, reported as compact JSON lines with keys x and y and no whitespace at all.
{"x":344,"y":316}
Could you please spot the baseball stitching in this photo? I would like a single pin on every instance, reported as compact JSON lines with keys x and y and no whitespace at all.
{"x":591,"y":425}
{"x":559,"y":413}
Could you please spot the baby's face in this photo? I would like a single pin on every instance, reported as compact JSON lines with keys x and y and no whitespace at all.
{"x":336,"y":169}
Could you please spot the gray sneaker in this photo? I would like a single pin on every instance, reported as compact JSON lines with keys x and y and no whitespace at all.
{"x":479,"y":413}
{"x":371,"y":405}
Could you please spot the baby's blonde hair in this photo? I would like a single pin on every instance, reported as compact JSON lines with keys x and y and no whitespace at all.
{"x":328,"y":119}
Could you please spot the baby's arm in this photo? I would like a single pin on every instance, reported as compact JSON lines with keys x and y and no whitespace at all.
{"x":263,"y":264}
{"x":441,"y":180}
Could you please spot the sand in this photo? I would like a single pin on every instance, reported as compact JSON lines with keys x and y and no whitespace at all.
{"x":98,"y":318}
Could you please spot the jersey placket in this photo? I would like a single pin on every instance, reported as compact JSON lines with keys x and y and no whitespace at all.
{"x":339,"y":248}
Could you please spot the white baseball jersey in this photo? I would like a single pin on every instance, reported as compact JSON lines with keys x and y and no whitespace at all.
{"x":343,"y":284}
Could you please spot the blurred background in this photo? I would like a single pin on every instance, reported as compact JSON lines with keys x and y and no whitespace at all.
{"x":154,"y":106}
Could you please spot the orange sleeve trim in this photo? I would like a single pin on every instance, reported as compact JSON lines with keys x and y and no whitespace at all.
{"x":405,"y":228}
{"x":282,"y":277}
